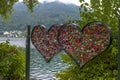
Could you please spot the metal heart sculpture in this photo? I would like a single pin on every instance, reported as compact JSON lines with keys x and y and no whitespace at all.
{"x":46,"y":41}
{"x":84,"y":45}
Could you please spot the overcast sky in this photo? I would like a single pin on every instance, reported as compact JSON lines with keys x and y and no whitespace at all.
{"x":65,"y":1}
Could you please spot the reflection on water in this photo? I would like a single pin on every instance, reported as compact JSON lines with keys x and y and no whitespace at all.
{"x":39,"y":69}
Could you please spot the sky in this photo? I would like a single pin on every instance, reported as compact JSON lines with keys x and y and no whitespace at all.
{"x":64,"y":1}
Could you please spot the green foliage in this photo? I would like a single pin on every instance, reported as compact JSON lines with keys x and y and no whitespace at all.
{"x":6,"y":7}
{"x":31,"y":4}
{"x":106,"y":11}
{"x":12,"y":62}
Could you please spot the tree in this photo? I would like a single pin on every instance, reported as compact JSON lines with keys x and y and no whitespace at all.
{"x":6,"y":7}
{"x":106,"y":11}
{"x":31,"y":4}
{"x":103,"y":67}
{"x":12,"y":62}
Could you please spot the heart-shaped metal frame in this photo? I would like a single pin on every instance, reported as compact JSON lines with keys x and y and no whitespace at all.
{"x":42,"y":39}
{"x":82,"y":52}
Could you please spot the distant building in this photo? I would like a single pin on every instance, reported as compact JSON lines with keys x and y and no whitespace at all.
{"x":12,"y":34}
{"x":6,"y":34}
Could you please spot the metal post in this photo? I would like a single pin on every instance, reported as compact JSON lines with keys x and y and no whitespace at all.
{"x":119,"y":50}
{"x":28,"y":53}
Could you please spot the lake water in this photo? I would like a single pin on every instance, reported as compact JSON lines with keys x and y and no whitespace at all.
{"x":39,"y":69}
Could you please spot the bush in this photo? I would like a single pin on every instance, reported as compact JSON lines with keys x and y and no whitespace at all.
{"x":12,"y":62}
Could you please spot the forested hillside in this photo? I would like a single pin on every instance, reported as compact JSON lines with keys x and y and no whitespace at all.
{"x":45,"y":13}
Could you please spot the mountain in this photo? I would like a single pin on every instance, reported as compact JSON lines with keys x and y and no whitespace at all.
{"x":44,"y":13}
